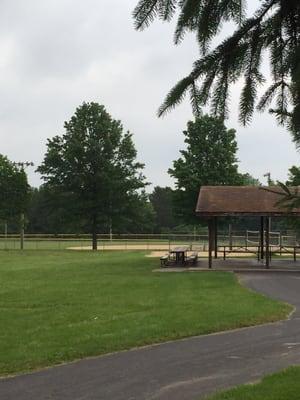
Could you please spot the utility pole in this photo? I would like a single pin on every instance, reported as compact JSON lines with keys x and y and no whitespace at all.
{"x":268,"y":175}
{"x":22,"y":166}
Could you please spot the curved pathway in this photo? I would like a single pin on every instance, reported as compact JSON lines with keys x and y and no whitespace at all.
{"x":181,"y":370}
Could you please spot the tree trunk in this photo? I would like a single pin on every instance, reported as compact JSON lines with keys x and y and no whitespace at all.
{"x":94,"y":232}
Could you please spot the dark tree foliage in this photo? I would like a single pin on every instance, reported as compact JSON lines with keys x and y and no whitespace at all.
{"x":294,"y":176}
{"x":249,"y":180}
{"x":93,"y":165}
{"x":50,"y":211}
{"x":274,"y":29}
{"x":209,"y":159}
{"x":290,"y":197}
{"x":14,"y":190}
{"x":162,"y":201}
{"x":292,"y":200}
{"x":140,"y":216}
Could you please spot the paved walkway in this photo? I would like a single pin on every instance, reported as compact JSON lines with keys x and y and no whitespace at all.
{"x":182,"y":370}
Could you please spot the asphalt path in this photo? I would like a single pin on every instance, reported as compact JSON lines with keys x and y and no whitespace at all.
{"x":182,"y":370}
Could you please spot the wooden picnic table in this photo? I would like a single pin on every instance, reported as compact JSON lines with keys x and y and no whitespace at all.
{"x":179,"y":253}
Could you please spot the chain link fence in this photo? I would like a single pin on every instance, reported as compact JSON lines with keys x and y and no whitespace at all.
{"x":152,"y":242}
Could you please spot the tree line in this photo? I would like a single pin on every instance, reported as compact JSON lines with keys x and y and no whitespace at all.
{"x":93,"y":182}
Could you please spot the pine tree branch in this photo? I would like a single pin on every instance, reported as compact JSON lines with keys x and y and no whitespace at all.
{"x":144,"y":13}
{"x":223,"y":51}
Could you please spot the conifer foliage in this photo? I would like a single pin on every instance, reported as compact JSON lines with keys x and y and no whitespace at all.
{"x":274,"y":30}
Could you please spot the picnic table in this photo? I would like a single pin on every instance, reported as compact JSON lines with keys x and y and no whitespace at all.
{"x":180,"y":254}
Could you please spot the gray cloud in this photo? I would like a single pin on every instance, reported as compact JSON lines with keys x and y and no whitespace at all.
{"x":55,"y":54}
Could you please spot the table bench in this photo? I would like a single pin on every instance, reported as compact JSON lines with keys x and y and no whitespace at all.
{"x":164,"y":260}
{"x":173,"y":259}
{"x":191,"y":259}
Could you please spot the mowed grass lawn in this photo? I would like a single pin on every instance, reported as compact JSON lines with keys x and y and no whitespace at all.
{"x":59,"y":306}
{"x":281,"y":386}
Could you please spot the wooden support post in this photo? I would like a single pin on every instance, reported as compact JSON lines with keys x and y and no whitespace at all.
{"x":210,"y":242}
{"x":261,"y":239}
{"x":230,"y":236}
{"x":280,"y":243}
{"x":267,"y":242}
{"x":216,"y":236}
{"x":212,"y":224}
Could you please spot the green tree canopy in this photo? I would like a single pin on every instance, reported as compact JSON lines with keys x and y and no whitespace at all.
{"x":273,"y":29}
{"x":249,"y":180}
{"x":140,"y":217}
{"x":162,"y":201}
{"x":50,"y":211}
{"x":209,"y":159}
{"x":14,"y":189}
{"x":93,"y":164}
{"x":293,"y":176}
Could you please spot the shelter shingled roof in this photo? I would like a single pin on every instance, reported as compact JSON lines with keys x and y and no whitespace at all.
{"x":242,"y":200}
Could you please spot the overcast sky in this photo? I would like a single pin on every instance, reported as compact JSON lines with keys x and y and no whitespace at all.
{"x":55,"y":54}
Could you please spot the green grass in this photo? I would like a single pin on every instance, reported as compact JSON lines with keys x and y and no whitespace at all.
{"x":281,"y":386}
{"x":58,"y":306}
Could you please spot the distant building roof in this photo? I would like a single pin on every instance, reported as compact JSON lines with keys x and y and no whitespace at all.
{"x":242,"y":200}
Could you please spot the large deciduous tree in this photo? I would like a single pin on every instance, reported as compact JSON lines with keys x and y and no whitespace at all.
{"x":93,"y":165}
{"x":209,"y":159}
{"x":14,"y":190}
{"x":273,"y":29}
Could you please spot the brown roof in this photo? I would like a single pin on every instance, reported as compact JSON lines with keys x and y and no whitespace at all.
{"x":242,"y":200}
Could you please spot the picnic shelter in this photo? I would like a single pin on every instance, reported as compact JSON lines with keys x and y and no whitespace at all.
{"x":242,"y":201}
